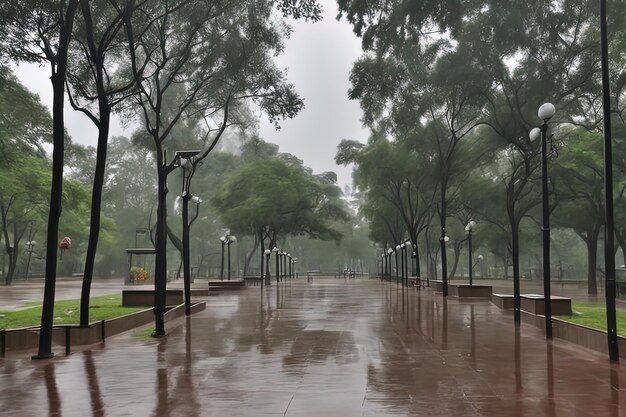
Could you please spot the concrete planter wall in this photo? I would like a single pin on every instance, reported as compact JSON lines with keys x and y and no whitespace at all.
{"x":28,"y":338}
{"x":587,"y":337}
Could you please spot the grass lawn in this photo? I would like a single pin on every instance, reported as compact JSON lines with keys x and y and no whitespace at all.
{"x":67,"y":312}
{"x":594,"y":315}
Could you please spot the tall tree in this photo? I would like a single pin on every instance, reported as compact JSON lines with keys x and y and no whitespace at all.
{"x":40,"y":31}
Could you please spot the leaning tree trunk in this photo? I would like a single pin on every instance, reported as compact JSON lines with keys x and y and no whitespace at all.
{"x":56,"y":189}
{"x":96,"y":204}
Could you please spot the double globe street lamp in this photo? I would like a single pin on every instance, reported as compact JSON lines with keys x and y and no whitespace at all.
{"x":546,"y":112}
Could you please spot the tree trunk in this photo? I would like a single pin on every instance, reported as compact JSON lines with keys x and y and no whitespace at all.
{"x":160,"y":268}
{"x":96,"y":205}
{"x":56,"y":189}
{"x":592,"y":264}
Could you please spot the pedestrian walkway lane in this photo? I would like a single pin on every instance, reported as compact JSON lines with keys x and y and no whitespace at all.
{"x":330,"y":347}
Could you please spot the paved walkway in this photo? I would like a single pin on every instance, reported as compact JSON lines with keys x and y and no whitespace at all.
{"x":327,"y":348}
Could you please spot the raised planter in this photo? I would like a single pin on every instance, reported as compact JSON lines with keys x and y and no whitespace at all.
{"x":28,"y":337}
{"x":535,"y":303}
{"x":504,"y":301}
{"x":584,"y":336}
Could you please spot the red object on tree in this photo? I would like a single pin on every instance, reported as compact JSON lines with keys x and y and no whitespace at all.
{"x":66,"y":243}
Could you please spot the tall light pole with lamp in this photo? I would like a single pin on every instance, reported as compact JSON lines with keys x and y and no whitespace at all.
{"x":276,"y":251}
{"x":268,"y":277}
{"x":469,"y":228}
{"x":546,"y":112}
{"x":609,"y":246}
{"x":185,"y":160}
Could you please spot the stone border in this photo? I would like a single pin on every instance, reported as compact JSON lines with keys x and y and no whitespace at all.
{"x":28,"y":337}
{"x":587,"y":337}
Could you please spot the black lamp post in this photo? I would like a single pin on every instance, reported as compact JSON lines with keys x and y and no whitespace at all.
{"x":295,"y":261}
{"x":389,"y":268}
{"x":30,"y":244}
{"x":396,"y":256}
{"x":185,"y":159}
{"x":470,"y":226}
{"x":285,"y":256}
{"x":407,"y":245}
{"x":231,"y":239}
{"x":290,"y":266}
{"x":609,"y":249}
{"x":402,"y":262}
{"x":546,"y":112}
{"x":268,"y":277}
{"x":444,"y":261}
{"x":276,"y":252}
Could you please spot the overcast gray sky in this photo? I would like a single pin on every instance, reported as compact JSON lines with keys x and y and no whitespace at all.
{"x":318,"y":56}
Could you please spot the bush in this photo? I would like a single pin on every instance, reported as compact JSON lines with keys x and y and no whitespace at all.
{"x":137,"y":273}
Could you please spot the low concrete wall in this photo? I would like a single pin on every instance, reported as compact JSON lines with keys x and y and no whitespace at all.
{"x":584,"y":336}
{"x":28,"y":338}
{"x":474,"y":291}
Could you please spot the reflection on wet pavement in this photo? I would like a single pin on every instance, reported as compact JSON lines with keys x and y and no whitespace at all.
{"x":325,"y":348}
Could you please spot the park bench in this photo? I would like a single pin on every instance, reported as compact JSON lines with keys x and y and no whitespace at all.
{"x":252,"y":280}
{"x":313,"y":273}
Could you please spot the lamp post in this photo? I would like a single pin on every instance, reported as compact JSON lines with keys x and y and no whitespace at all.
{"x":223,"y":240}
{"x":482,"y":268}
{"x":285,"y":256}
{"x":470,"y":226}
{"x":30,"y":244}
{"x":231,"y":239}
{"x":185,"y":160}
{"x":382,"y":266}
{"x":290,"y":266}
{"x":407,"y":245}
{"x":396,"y":256}
{"x":402,"y":262}
{"x":268,"y":277}
{"x":609,"y":252}
{"x":276,"y":252}
{"x":389,"y":252}
{"x":444,"y":270}
{"x":546,"y":112}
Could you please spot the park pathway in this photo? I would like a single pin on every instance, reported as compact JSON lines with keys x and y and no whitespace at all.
{"x":331,"y":347}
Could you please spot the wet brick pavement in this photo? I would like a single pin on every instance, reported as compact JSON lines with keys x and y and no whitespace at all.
{"x":330,"y":347}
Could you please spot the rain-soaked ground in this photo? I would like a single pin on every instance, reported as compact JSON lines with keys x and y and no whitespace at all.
{"x":330,"y":347}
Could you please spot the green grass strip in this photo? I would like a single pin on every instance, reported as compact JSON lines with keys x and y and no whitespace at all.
{"x":102,"y":307}
{"x":594,"y":315}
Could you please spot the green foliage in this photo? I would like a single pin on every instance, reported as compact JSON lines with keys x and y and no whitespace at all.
{"x":282,"y":199}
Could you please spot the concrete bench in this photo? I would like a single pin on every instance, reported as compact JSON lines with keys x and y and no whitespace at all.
{"x":504,"y":301}
{"x":145,"y":297}
{"x":232,"y":285}
{"x":252,"y":280}
{"x":535,"y":303}
{"x":313,"y":273}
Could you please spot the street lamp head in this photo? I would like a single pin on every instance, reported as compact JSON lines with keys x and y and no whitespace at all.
{"x":186,"y":155}
{"x":275,"y":250}
{"x":389,"y":251}
{"x":232,"y":239}
{"x":223,"y":239}
{"x":402,"y":245}
{"x":470,"y":225}
{"x":480,"y":257}
{"x":546,"y":111}
{"x":534,"y":134}
{"x":407,"y":243}
{"x":398,"y":247}
{"x":267,"y":251}
{"x":196,"y":199}
{"x":446,"y":239}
